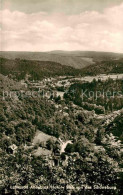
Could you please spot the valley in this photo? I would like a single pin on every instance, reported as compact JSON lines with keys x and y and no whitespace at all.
{"x":52,"y":135}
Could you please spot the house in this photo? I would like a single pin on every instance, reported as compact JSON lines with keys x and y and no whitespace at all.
{"x":12,"y":149}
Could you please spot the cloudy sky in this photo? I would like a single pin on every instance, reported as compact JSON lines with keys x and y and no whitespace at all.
{"x":45,"y":25}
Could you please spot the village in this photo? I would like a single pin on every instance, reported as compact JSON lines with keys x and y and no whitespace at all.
{"x":75,"y":148}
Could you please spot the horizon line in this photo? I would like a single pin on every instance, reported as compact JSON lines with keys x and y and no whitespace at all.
{"x":64,"y":51}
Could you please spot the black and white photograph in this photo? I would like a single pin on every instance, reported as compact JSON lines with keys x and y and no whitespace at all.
{"x":61,"y":97}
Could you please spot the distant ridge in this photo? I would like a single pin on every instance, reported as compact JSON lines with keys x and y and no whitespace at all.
{"x":75,"y":59}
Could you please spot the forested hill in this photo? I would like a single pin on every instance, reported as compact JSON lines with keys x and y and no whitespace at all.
{"x":72,"y":60}
{"x":104,"y":67}
{"x":75,"y":59}
{"x":38,"y":70}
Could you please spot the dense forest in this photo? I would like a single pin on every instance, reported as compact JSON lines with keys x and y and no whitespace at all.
{"x":101,"y":96}
{"x":104,"y":67}
{"x":18,"y":68}
{"x":93,"y":158}
{"x":36,"y":69}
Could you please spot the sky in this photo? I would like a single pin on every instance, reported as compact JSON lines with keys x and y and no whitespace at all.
{"x":46,"y":25}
